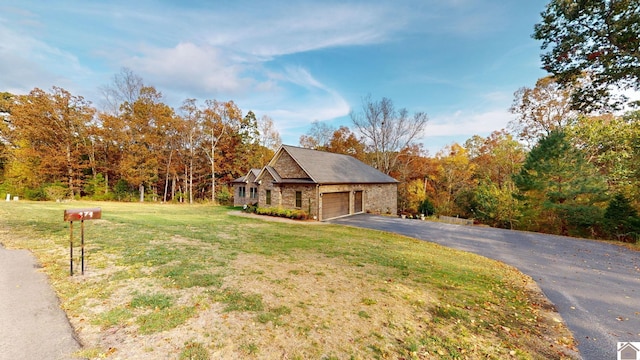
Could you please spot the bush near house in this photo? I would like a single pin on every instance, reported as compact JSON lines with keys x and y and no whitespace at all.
{"x":279,"y":212}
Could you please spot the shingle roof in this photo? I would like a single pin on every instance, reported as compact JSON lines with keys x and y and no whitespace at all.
{"x":330,"y":168}
{"x":242,"y":179}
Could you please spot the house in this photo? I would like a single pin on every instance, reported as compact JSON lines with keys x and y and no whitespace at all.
{"x":240,"y":186}
{"x":324,"y":184}
{"x":627,"y":351}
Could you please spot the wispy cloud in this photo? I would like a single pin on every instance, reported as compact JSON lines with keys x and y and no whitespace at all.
{"x":462,"y":123}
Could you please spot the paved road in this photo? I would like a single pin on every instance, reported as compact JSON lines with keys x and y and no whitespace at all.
{"x":594,"y":285}
{"x":32,"y":325}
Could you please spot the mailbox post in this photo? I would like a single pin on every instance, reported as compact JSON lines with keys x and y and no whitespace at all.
{"x":81,"y":215}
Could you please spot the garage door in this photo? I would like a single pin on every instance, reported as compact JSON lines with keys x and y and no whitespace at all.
{"x":334,"y":205}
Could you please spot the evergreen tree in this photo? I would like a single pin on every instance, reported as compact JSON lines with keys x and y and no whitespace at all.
{"x":621,"y":220}
{"x":561,"y":189}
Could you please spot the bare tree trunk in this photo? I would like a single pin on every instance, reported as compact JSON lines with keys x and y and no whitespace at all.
{"x":70,"y":170}
{"x":191,"y":180}
{"x":141,"y":188}
{"x":166,"y":180}
{"x":213,"y":174}
{"x":173,"y":187}
{"x":186,"y":181}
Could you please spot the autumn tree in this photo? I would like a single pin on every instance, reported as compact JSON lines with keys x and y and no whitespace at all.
{"x":47,"y":135}
{"x":563,"y":192}
{"x":144,"y":125}
{"x":453,"y":180}
{"x":344,"y":141}
{"x":541,"y":110}
{"x":411,"y":171}
{"x":220,"y":121}
{"x":192,"y":136}
{"x":497,"y":158}
{"x":610,"y":143}
{"x":6,"y":101}
{"x":387,"y":130}
{"x":599,"y":39}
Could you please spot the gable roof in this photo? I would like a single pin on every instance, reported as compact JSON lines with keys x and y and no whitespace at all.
{"x":330,"y":168}
{"x":243,"y":179}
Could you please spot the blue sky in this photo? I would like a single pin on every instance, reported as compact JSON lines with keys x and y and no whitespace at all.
{"x":460,"y":61}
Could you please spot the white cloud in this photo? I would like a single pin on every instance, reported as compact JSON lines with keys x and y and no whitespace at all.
{"x":30,"y":63}
{"x":202,"y":69}
{"x":462,"y":123}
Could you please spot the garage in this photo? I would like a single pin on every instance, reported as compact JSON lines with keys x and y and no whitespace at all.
{"x":335,"y":205}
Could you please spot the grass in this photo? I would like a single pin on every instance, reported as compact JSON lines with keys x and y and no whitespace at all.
{"x":197,"y":283}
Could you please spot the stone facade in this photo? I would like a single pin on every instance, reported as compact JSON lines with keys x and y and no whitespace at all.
{"x":285,"y":183}
{"x":376,"y":198}
{"x":245,"y":192}
{"x":288,"y":168}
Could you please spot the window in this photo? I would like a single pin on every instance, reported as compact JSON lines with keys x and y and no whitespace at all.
{"x":298,"y":199}
{"x":268,"y":197}
{"x":253,"y":193}
{"x":242,"y":192}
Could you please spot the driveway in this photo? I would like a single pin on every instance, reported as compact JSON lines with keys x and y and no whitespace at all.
{"x":595,"y":286}
{"x":32,"y":325}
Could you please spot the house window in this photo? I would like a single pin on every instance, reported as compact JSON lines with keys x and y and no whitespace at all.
{"x":298,"y":199}
{"x":253,"y":193}
{"x":268,"y":197}
{"x":242,"y":192}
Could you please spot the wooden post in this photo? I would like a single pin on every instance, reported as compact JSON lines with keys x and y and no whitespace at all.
{"x":82,"y":215}
{"x":71,"y":248}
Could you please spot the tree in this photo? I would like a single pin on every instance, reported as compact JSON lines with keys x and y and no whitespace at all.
{"x":47,"y":132}
{"x":561,"y":189}
{"x":454,"y":178}
{"x":219,"y":120}
{"x":318,"y":136}
{"x":541,"y":110}
{"x":191,"y":139}
{"x":387,"y":130}
{"x":345,"y":142}
{"x":125,"y":89}
{"x":410,"y":171}
{"x":496,"y":158}
{"x":144,"y":127}
{"x":611,"y":144}
{"x":269,"y":135}
{"x":599,"y":39}
{"x":621,"y":220}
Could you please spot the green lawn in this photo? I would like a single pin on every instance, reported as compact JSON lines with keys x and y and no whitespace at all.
{"x":195,"y":282}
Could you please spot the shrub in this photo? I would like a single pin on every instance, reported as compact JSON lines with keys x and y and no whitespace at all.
{"x":286,"y":213}
{"x":224,"y":196}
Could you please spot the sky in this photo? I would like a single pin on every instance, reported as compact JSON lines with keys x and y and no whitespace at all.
{"x":460,"y":61}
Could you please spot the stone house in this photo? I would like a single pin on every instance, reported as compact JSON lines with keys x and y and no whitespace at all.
{"x":324,"y":184}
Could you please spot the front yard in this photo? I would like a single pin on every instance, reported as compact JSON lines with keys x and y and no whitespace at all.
{"x":194,"y":282}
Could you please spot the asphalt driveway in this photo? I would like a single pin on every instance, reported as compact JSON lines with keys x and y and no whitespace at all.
{"x":32,"y":324}
{"x":595,"y":286}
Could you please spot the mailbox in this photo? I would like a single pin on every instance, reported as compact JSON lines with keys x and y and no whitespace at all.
{"x":82,"y":214}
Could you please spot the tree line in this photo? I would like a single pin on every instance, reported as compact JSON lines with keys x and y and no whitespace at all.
{"x":56,"y":145}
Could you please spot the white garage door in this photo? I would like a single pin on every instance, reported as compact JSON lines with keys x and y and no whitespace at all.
{"x":334,"y":205}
